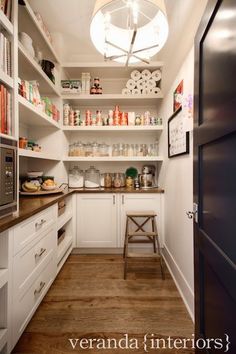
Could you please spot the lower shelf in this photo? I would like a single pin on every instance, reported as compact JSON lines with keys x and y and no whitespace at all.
{"x":3,"y":338}
{"x":3,"y":277}
{"x":63,"y":247}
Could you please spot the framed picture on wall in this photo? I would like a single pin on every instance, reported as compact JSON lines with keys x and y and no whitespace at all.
{"x":178,"y":138}
{"x":178,"y":96}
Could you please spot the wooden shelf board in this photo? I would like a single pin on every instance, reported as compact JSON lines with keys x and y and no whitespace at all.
{"x":4,"y":21}
{"x":37,"y":155}
{"x":40,"y":30}
{"x":29,"y":69}
{"x":6,"y":79}
{"x":121,"y":128}
{"x":63,"y":219}
{"x":106,"y":99}
{"x":3,"y":277}
{"x":113,"y":159}
{"x":31,"y":116}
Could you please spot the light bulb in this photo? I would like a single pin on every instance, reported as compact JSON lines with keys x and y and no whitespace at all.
{"x":135,"y":9}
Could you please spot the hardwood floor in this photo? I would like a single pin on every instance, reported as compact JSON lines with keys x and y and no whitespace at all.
{"x":90,"y":299}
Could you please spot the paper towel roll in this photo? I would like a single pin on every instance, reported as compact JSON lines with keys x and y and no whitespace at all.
{"x":156,"y":75}
{"x":131,"y":84}
{"x":140,"y":84}
{"x":156,"y":90}
{"x":151,"y":83}
{"x":126,"y":92}
{"x":136,"y":92}
{"x":146,"y":74}
{"x":146,"y":91}
{"x":136,"y":75}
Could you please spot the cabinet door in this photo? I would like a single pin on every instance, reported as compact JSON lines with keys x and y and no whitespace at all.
{"x":96,"y":220}
{"x":140,"y":202}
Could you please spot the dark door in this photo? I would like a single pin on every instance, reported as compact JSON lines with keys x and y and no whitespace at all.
{"x":215,"y":176}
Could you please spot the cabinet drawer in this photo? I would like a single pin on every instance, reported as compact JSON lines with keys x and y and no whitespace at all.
{"x":29,"y":229}
{"x":29,"y":262}
{"x":25,"y":306}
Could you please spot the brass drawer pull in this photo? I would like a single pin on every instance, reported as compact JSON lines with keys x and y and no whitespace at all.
{"x":39,"y":290}
{"x":40,"y":224}
{"x":42,"y":251}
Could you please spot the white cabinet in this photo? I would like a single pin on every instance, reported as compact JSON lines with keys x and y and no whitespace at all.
{"x":101,"y":217}
{"x":97,"y":220}
{"x":140,"y":202}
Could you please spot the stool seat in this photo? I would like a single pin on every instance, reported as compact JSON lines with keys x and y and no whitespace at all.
{"x":141,"y":233}
{"x":141,"y":213}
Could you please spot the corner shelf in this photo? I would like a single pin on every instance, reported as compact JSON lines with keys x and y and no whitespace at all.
{"x":37,"y":155}
{"x":106,"y":99}
{"x":6,"y":23}
{"x":31,"y":116}
{"x":7,"y":136}
{"x":29,"y":69}
{"x":114,"y":159}
{"x":6,"y":79}
{"x":40,"y":30}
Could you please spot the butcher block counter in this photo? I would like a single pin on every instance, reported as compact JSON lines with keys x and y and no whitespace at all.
{"x":31,"y":205}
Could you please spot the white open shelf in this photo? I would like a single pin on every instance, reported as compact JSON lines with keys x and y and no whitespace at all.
{"x":7,"y":136}
{"x":63,"y":247}
{"x":37,"y":155}
{"x":3,"y":277}
{"x":63,"y":219}
{"x":6,"y":79}
{"x":3,"y":338}
{"x":32,"y":116}
{"x":40,"y":30}
{"x":120,"y":128}
{"x":113,"y":159}
{"x":4,"y":22}
{"x":106,"y":99}
{"x":29,"y":69}
{"x":108,"y":69}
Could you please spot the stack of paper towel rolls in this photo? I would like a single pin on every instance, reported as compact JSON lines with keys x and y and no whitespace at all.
{"x":143,"y":83}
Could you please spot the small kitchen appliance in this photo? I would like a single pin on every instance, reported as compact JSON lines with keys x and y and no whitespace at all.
{"x":8,"y":172}
{"x":147,"y":177}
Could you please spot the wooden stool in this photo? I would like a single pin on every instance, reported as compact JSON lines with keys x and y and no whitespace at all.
{"x":150,"y":237}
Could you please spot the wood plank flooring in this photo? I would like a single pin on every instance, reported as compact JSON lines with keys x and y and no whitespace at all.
{"x":90,"y":299}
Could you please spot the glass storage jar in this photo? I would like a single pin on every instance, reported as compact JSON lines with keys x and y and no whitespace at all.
{"x":88,"y":149}
{"x":76,"y":178}
{"x":115,"y":150}
{"x":107,"y":180}
{"x":104,"y":149}
{"x":92,"y":178}
{"x":117,"y":180}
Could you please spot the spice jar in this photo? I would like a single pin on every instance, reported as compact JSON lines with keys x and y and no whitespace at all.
{"x":107,"y":180}
{"x":23,"y":143}
{"x":117,"y":180}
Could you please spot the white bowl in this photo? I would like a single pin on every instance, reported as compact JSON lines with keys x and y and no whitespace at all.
{"x":35,"y":174}
{"x":24,"y":37}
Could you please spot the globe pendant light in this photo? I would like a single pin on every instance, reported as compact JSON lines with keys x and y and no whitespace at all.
{"x":129,"y":31}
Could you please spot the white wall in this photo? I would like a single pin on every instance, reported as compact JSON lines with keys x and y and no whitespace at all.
{"x":177,"y":180}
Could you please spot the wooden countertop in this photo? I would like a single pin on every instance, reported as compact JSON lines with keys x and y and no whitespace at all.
{"x":31,"y":205}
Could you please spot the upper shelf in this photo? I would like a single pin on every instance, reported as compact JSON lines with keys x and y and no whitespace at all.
{"x":107,"y":69}
{"x":6,"y":23}
{"x":120,"y":128}
{"x":106,"y":99}
{"x":29,"y":69}
{"x":31,"y":116}
{"x":6,"y":79}
{"x":38,"y":28}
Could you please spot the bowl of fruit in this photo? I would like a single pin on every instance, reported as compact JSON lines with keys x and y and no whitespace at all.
{"x":49,"y":185}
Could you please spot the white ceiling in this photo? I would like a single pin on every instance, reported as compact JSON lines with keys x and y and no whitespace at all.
{"x":69,"y":23}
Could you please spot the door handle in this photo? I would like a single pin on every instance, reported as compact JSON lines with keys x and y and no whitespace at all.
{"x":42,"y":251}
{"x":39,"y":290}
{"x":40,"y":224}
{"x":193,"y":214}
{"x":190,"y":214}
